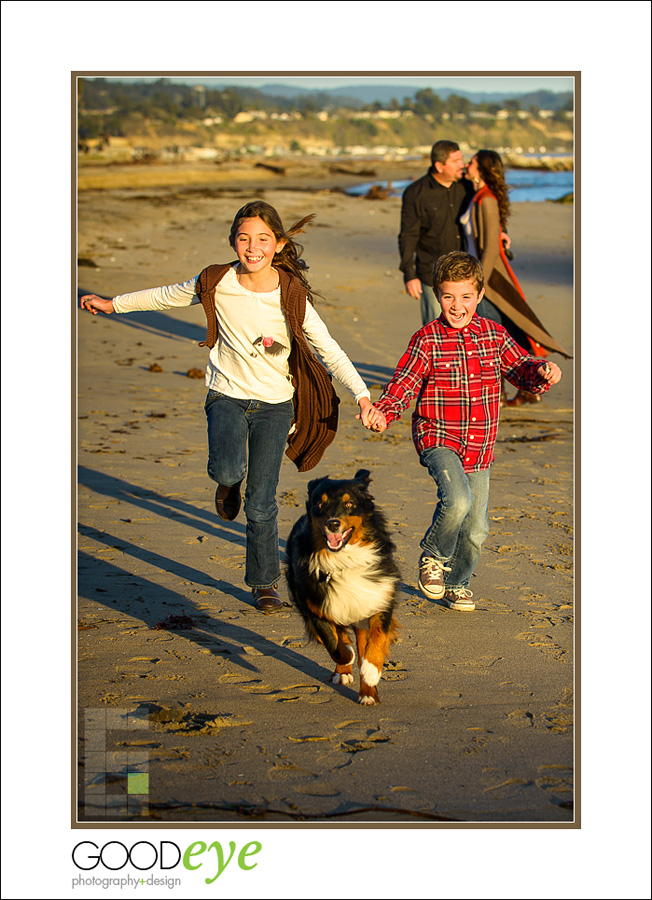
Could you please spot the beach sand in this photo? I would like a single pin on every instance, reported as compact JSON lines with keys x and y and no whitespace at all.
{"x":233,"y":718}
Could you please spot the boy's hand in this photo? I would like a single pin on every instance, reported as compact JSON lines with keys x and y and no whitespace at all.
{"x":550,"y":372}
{"x":372,"y":418}
{"x":95,"y":304}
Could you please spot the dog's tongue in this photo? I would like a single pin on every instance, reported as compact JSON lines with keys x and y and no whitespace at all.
{"x":336,"y":541}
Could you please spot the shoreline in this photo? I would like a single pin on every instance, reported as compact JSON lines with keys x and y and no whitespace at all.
{"x":278,"y":172}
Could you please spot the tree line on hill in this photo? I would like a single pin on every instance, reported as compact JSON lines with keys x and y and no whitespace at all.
{"x":109,"y":107}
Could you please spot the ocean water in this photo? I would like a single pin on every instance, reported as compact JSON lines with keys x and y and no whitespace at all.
{"x":526,"y":185}
{"x":535,"y":186}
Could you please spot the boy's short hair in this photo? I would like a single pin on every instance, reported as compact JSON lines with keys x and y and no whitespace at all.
{"x":442,"y":150}
{"x":457,"y":266}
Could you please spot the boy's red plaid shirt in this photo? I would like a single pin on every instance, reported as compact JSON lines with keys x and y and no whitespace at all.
{"x":456,"y":376}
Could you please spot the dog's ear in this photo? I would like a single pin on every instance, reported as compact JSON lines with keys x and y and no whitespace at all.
{"x":314,"y":483}
{"x":363,"y":476}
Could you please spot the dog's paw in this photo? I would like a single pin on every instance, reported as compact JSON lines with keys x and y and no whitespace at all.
{"x":367,"y":700}
{"x":341,"y":678}
{"x":369,"y":673}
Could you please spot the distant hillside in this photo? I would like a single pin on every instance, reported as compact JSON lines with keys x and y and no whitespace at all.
{"x":158,"y":115}
{"x":358,"y":95}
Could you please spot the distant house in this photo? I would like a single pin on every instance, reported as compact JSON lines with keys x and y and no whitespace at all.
{"x":243,"y":117}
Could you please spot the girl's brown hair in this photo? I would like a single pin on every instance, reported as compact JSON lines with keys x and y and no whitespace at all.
{"x":289,"y":258}
{"x":493,"y":174}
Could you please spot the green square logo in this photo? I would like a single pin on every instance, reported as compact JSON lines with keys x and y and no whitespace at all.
{"x":137,"y":783}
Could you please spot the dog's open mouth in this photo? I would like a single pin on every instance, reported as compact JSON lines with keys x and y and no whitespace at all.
{"x":336,"y":541}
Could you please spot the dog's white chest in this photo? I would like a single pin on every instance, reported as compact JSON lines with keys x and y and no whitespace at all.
{"x":356,"y":588}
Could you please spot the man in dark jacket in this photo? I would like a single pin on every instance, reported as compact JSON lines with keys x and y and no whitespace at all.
{"x":430,"y":225}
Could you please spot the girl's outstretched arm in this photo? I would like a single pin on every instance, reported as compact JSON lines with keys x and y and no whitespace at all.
{"x":95,"y":304}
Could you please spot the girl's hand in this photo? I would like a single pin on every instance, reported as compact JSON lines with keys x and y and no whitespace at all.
{"x":550,"y":372}
{"x":372,"y":418}
{"x":95,"y":304}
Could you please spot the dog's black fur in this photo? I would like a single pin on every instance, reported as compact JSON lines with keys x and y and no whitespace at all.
{"x":341,"y":574}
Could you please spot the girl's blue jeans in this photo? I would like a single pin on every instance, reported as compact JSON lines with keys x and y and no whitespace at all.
{"x":460,"y":524}
{"x":248,"y":437}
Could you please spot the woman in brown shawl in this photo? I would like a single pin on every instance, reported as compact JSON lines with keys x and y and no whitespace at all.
{"x":504,"y":301}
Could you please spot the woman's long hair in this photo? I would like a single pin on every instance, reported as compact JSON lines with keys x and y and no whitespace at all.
{"x":492,"y":173}
{"x":289,"y":258}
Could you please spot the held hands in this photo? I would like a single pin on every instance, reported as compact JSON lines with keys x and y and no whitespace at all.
{"x":550,"y":372}
{"x":372,"y":418}
{"x":95,"y":304}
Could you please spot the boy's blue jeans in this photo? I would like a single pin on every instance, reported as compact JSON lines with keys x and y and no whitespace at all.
{"x":248,"y":437}
{"x":460,"y":524}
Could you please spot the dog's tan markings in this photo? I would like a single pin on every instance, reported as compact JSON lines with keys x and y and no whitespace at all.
{"x":373,"y":648}
{"x":343,"y":673}
{"x":361,"y":640}
{"x":346,"y":498}
{"x":368,"y":695}
{"x":354,"y":522}
{"x":345,"y":652}
{"x":315,"y":609}
{"x":378,"y":642}
{"x":324,"y":498}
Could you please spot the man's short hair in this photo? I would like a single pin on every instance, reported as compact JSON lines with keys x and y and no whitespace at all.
{"x":442,"y":150}
{"x":457,"y":266}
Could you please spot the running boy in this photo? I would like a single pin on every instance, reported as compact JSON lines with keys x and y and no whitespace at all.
{"x":454,"y":367}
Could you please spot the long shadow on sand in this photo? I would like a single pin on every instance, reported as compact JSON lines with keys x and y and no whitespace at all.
{"x":165,"y":507}
{"x":372,"y":373}
{"x":157,"y":323}
{"x":143,"y":599}
{"x":538,"y":264}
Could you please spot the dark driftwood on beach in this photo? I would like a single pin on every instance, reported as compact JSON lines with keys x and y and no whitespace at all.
{"x":277,"y":170}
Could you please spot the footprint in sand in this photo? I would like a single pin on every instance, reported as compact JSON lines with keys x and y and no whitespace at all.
{"x":557,"y":782}
{"x":508,"y":789}
{"x":287,"y":771}
{"x":544,"y":643}
{"x":139,"y":667}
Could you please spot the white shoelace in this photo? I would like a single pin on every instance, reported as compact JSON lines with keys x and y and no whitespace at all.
{"x":432,"y":567}
{"x":462,"y":593}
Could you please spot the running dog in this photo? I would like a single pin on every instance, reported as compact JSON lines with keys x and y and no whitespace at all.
{"x":342,"y":575}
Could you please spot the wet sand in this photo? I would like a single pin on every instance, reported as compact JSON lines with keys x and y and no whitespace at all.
{"x":233,"y":718}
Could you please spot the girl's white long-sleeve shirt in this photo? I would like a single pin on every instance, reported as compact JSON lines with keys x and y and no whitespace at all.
{"x":250,"y":359}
